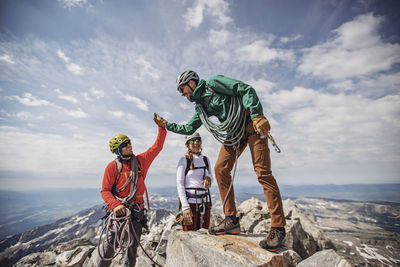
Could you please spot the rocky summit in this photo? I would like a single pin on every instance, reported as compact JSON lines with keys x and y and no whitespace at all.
{"x":306,"y":243}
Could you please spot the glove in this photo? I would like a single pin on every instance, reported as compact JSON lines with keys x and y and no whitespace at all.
{"x":160,"y":121}
{"x":261,"y":125}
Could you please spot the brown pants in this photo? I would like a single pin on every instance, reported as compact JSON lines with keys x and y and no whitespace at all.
{"x":260,"y":156}
{"x":196,"y":218}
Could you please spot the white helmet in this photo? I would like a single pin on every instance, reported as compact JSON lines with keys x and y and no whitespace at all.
{"x":195,"y":135}
{"x":185,"y":77}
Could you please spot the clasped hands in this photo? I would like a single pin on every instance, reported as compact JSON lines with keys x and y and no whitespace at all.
{"x":160,"y":121}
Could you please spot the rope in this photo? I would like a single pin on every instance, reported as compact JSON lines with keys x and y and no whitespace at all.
{"x":122,"y":230}
{"x":232,"y":129}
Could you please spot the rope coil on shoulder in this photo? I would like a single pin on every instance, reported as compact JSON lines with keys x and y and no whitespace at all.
{"x":232,"y":129}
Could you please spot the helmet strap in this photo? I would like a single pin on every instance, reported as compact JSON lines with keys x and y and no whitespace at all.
{"x":191,"y":88}
{"x":119,"y":154}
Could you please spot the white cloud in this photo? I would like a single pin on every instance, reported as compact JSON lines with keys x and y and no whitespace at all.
{"x":61,"y":55}
{"x":327,"y":128}
{"x":290,"y":39}
{"x":383,"y":82}
{"x":260,"y":52}
{"x":146,"y":69}
{"x":261,"y":85}
{"x":217,"y":9}
{"x":140,"y":104}
{"x":24,"y":115}
{"x":218,"y":37}
{"x":31,"y":100}
{"x":73,"y":3}
{"x":66,"y":97}
{"x":72,"y":67}
{"x":117,"y":113}
{"x":356,"y":49}
{"x":69,"y":98}
{"x":75,"y":69}
{"x":7,"y":58}
{"x":46,"y":162}
{"x":347,"y":85}
{"x":93,"y":94}
{"x":97,"y":93}
{"x":78,"y":113}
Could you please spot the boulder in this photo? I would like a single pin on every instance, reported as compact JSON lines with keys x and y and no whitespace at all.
{"x":326,"y":258}
{"x":301,"y":233}
{"x":198,"y":248}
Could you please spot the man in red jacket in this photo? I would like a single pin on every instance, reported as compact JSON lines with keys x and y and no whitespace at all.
{"x":123,"y":188}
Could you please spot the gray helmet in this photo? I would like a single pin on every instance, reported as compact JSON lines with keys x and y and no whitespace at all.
{"x":195,"y":135}
{"x":185,"y":77}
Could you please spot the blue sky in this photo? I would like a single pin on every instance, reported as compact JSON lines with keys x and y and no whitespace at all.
{"x":75,"y":72}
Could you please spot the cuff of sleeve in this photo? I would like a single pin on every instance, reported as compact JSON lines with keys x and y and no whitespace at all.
{"x":252,"y":116}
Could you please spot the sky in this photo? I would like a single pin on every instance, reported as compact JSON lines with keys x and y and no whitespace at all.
{"x":75,"y":72}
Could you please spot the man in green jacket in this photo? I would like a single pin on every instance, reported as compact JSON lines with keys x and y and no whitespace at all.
{"x":215,"y":96}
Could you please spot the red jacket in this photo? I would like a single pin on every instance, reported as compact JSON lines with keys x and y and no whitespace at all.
{"x":145,"y":159}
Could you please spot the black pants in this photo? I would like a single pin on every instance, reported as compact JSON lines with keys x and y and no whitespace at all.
{"x":129,"y":257}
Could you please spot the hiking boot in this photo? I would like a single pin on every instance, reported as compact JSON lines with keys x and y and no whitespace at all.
{"x":226,"y":226}
{"x":274,"y":239}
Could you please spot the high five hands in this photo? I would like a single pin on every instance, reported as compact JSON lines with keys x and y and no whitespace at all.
{"x":160,"y":121}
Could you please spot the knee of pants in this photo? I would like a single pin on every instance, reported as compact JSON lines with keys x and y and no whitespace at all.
{"x":220,"y":170}
{"x":262,"y":171}
{"x":265,"y":177}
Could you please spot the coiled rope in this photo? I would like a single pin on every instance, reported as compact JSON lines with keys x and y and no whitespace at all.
{"x":121,"y":231}
{"x":232,"y":129}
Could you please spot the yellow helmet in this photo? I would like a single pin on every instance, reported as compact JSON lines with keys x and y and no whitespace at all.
{"x":117,"y":140}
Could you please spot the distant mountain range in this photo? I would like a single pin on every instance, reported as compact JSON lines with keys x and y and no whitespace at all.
{"x":21,"y":211}
{"x":364,"y":233}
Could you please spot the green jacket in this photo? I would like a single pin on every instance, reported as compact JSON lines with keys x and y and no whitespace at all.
{"x":224,"y":88}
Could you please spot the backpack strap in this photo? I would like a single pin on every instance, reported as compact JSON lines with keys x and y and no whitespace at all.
{"x":119,"y":169}
{"x":188,"y":162}
{"x":206,"y":163}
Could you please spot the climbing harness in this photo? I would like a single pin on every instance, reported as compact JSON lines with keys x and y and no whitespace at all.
{"x":205,"y":193}
{"x":119,"y":230}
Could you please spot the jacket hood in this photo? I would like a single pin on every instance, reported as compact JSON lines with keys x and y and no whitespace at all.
{"x":198,"y":92}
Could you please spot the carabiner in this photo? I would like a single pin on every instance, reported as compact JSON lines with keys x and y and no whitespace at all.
{"x":273,"y":143}
{"x":139,"y":209}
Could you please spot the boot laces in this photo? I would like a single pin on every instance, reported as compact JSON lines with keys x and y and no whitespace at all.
{"x":273,"y":233}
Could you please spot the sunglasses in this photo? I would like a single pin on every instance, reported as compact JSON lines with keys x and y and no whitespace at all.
{"x":180,"y":90}
{"x":194,"y":141}
{"x":125,"y":144}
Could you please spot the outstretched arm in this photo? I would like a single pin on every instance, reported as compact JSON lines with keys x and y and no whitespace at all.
{"x":187,"y":129}
{"x":146,"y":158}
